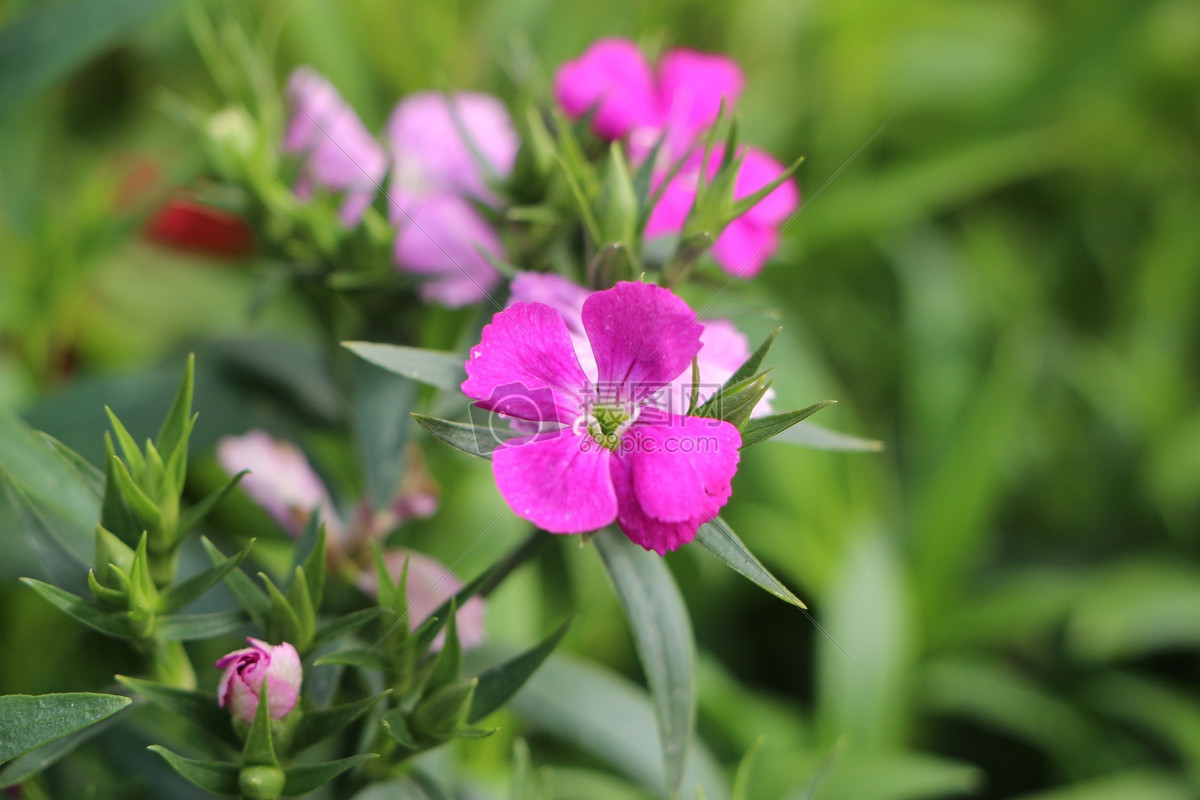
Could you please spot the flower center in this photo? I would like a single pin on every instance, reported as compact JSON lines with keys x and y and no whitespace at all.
{"x":606,"y":423}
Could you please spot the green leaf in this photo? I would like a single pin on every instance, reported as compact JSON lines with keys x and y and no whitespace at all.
{"x":431,"y":627}
{"x":129,"y":447}
{"x":722,"y":542}
{"x":743,"y":205}
{"x":440,"y":713}
{"x":663,"y":635}
{"x":199,"y":708}
{"x":306,"y":778}
{"x":183,"y":593}
{"x":38,"y":471}
{"x":214,"y":776}
{"x":817,"y":437}
{"x":90,"y":614}
{"x":320,"y":724}
{"x":24,"y":767}
{"x":328,"y":631}
{"x":381,"y":428}
{"x":260,"y":745}
{"x":189,"y":627}
{"x":395,"y":722}
{"x":115,"y":514}
{"x":749,"y":367}
{"x":762,"y":428}
{"x":29,"y":721}
{"x":448,"y":663}
{"x":141,"y":505}
{"x":735,"y":403}
{"x":63,"y":563}
{"x":87,"y":474}
{"x":285,"y":622}
{"x":385,"y":588}
{"x":499,"y":683}
{"x":368,"y":659}
{"x":741,"y":779}
{"x":253,"y":599}
{"x":301,"y":602}
{"x":314,"y":564}
{"x":199,"y":511}
{"x":179,"y":421}
{"x":472,"y":440}
{"x":436,"y":368}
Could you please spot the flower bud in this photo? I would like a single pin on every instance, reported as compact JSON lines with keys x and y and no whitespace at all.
{"x":245,"y":671}
{"x":261,"y":783}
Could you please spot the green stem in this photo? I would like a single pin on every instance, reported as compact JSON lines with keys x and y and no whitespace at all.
{"x":170,"y":665}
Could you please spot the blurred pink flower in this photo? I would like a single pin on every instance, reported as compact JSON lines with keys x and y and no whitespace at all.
{"x":748,"y":241}
{"x":341,"y":155}
{"x":445,"y":150}
{"x":614,"y":79}
{"x":430,"y":583}
{"x":280,"y":480}
{"x":723,"y":348}
{"x":244,"y":673}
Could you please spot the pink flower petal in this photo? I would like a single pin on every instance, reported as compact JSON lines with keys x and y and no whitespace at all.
{"x":525,"y":366}
{"x":743,"y":248}
{"x":674,"y":204}
{"x":559,"y":482}
{"x":431,"y":583}
{"x":613,"y":77}
{"x":758,"y":170}
{"x":441,"y":237}
{"x":682,"y":469}
{"x":692,"y":86}
{"x":643,"y":530}
{"x":642,"y":335}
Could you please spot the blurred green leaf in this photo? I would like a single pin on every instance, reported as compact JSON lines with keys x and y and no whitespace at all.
{"x":499,"y":683}
{"x":436,"y":368}
{"x":1136,"y":609}
{"x":190,"y":627}
{"x":720,"y":540}
{"x":810,"y":434}
{"x":215,"y":776}
{"x":319,"y":724}
{"x":40,"y":473}
{"x":663,"y":634}
{"x":762,"y":428}
{"x":199,"y":708}
{"x":180,"y":595}
{"x":306,"y":778}
{"x":29,"y":721}
{"x":90,"y":614}
{"x":380,"y":423}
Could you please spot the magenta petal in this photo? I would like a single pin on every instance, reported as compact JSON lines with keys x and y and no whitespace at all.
{"x":526,"y":345}
{"x":757,"y":171}
{"x":642,"y":335}
{"x":674,"y":204}
{"x":560,"y":482}
{"x":682,"y":468}
{"x":692,"y":86}
{"x":744,"y":247}
{"x":613,"y":77}
{"x":652,"y":534}
{"x":441,"y":238}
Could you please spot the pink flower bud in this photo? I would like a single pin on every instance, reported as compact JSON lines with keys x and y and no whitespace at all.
{"x":245,"y":671}
{"x":430,"y":583}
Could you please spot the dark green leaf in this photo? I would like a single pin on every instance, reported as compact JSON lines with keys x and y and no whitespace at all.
{"x":722,"y":542}
{"x":253,"y":600}
{"x":38,"y":471}
{"x":368,"y":659}
{"x":115,"y":514}
{"x":763,"y":428}
{"x":499,"y":683}
{"x":328,"y":631}
{"x":440,"y":713}
{"x":29,"y":721}
{"x":434,"y":367}
{"x":285,"y":622}
{"x":33,"y":762}
{"x":200,"y":510}
{"x":179,"y":421}
{"x":90,"y":614}
{"x":87,"y":474}
{"x":181,"y":594}
{"x":301,"y":602}
{"x":448,"y":663}
{"x":306,"y":778}
{"x":380,"y":423}
{"x":663,"y":635}
{"x":395,"y":722}
{"x":317,"y":725}
{"x":189,"y":627}
{"x":64,"y":565}
{"x":472,"y":440}
{"x":749,"y":367}
{"x":199,"y":708}
{"x":214,"y":776}
{"x":314,"y":564}
{"x":260,"y":744}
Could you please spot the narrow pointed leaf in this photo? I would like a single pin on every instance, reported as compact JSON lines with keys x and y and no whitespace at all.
{"x":217,"y":777}
{"x":314,"y":565}
{"x":740,"y":207}
{"x":358,"y":657}
{"x":64,"y":565}
{"x":431,"y":627}
{"x":253,"y":599}
{"x":285,"y":622}
{"x":179,"y":419}
{"x":328,"y":631}
{"x":323,"y":723}
{"x":763,"y":428}
{"x":30,"y":721}
{"x":26,"y":766}
{"x":115,"y":514}
{"x":448,"y":663}
{"x":301,"y":602}
{"x":395,"y":722}
{"x":199,"y":708}
{"x":499,"y":683}
{"x":88,"y":475}
{"x":442,"y":712}
{"x":818,"y":437}
{"x":722,"y":542}
{"x":472,"y":440}
{"x":306,"y":778}
{"x":260,"y":746}
{"x":141,"y":505}
{"x":200,"y":510}
{"x":105,"y":595}
{"x":384,"y":587}
{"x":90,"y":614}
{"x":381,"y":428}
{"x":129,"y":447}
{"x":663,"y":635}
{"x":189,"y":627}
{"x":181,"y":594}
{"x":749,"y":367}
{"x":436,"y":368}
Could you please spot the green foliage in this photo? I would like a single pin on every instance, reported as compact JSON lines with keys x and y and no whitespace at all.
{"x":29,"y":721}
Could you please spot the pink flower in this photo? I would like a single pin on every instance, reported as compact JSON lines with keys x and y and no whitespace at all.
{"x":723,"y":348}
{"x":245,"y":671}
{"x":431,"y":583}
{"x":342,"y":156}
{"x":445,"y":149}
{"x":748,"y":241}
{"x":606,"y":453}
{"x":614,"y":79}
{"x":280,"y":480}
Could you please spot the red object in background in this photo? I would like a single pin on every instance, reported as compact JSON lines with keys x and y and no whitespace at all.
{"x":186,"y":225}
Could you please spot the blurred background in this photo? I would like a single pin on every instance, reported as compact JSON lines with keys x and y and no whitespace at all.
{"x":996,"y":271}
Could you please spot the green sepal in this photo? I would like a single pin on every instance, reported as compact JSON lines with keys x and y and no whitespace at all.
{"x":442,"y":712}
{"x":218,"y":777}
{"x":261,"y":782}
{"x":260,"y":745}
{"x":320,"y":724}
{"x":190,"y":627}
{"x":199,"y":708}
{"x":308,"y":777}
{"x":334,"y":628}
{"x":198,"y":511}
{"x":94,"y":616}
{"x":112,"y":597}
{"x":141,"y":505}
{"x":115,"y":515}
{"x":253,"y":599}
{"x":285,"y":622}
{"x":301,"y":602}
{"x":617,"y":206}
{"x":499,"y":683}
{"x":763,"y":428}
{"x":129,"y":448}
{"x":181,"y":594}
{"x":111,"y":552}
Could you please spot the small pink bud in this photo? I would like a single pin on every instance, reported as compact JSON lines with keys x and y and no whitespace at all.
{"x":245,"y":671}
